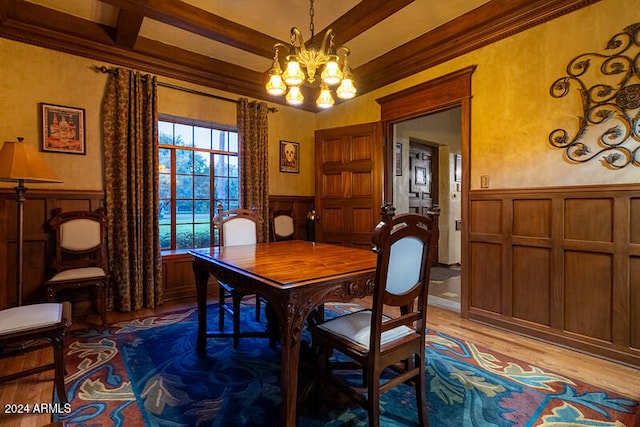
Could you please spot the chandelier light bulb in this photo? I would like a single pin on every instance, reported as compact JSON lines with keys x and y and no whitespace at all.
{"x":293,"y":75}
{"x":294,"y":96}
{"x":332,"y":74}
{"x":276,"y":86}
{"x":325,"y":100}
{"x":346,"y":90}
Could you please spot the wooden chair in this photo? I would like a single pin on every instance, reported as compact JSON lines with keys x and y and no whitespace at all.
{"x":282,"y":225}
{"x":235,"y":227}
{"x":80,"y":255}
{"x":28,"y":328}
{"x":373,"y":340}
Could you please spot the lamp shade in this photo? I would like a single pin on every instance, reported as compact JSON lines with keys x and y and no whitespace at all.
{"x":21,"y":162}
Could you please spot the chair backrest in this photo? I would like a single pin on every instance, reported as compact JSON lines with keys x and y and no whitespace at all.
{"x":282,"y":225}
{"x":237,"y":227}
{"x":405,"y":245}
{"x":80,"y":239}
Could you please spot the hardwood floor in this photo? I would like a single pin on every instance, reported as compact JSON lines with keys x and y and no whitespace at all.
{"x":602,"y":373}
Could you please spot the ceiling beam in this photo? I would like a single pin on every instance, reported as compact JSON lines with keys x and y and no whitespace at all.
{"x":128,"y":28}
{"x":361,"y":17}
{"x":190,"y":18}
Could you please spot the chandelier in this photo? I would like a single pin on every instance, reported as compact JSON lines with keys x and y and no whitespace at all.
{"x":311,"y":58}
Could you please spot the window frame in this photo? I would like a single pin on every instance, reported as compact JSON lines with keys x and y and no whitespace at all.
{"x":173,"y":199}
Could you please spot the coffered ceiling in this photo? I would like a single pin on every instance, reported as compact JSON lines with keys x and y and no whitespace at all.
{"x":228,"y":44}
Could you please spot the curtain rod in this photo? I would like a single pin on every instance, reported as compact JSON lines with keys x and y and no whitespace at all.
{"x":105,"y":70}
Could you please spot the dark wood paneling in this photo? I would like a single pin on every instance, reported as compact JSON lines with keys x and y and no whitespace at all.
{"x":589,"y":219}
{"x":37,"y":239}
{"x":587,"y":299}
{"x":532,"y":218}
{"x":486,"y":277}
{"x":634,"y":304}
{"x":486,"y":217}
{"x":634,"y":221}
{"x":532,"y":284}
{"x":568,"y":264}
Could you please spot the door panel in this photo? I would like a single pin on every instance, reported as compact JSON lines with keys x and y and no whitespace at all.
{"x":421,"y":178}
{"x":348,"y":184}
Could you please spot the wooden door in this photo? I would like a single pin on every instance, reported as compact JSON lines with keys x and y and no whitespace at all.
{"x":348,"y":183}
{"x":422,"y":178}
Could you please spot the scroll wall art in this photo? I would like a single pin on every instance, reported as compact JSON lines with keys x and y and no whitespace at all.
{"x":609,"y":89}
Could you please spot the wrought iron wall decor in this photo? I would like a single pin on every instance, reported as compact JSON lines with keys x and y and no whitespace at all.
{"x":609,"y":127}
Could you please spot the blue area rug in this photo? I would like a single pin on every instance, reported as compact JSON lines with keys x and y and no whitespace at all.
{"x":146,"y":372}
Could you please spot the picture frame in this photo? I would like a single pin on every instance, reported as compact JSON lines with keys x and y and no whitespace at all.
{"x":458,"y":168}
{"x":289,"y":156}
{"x":398,"y":159}
{"x":63,"y":129}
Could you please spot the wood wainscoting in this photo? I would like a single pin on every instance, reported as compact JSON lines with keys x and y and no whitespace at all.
{"x":560,"y":264}
{"x":38,"y":245}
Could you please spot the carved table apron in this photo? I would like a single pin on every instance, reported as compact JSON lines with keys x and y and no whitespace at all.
{"x":295,"y":277}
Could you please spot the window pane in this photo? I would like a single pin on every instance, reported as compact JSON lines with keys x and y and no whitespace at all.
{"x":233,"y":165}
{"x":165,"y":236}
{"x":164,"y":186}
{"x":184,"y":211}
{"x":201,"y":163}
{"x":184,"y":161}
{"x":233,"y":142}
{"x":221,"y":164}
{"x":234,"y":188}
{"x":219,"y":140}
{"x":164,"y":208}
{"x":184,"y":236}
{"x":201,"y":187}
{"x":202,"y":137}
{"x":184,"y":135}
{"x":201,"y":238}
{"x":201,"y":209}
{"x":184,"y":187}
{"x":164,"y":160}
{"x":222,"y":188}
{"x":165,"y":133}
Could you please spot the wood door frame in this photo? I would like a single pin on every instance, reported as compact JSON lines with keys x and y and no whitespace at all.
{"x":442,"y":93}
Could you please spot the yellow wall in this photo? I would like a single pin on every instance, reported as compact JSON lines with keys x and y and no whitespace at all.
{"x":512,"y":111}
{"x":30,"y":75}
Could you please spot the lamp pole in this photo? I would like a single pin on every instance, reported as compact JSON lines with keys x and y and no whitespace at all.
{"x":20,"y":198}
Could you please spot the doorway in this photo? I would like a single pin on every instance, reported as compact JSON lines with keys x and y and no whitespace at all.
{"x":449,"y":93}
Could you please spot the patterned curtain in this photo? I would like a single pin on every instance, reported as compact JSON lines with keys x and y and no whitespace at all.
{"x":130,"y":134}
{"x":254,"y":179}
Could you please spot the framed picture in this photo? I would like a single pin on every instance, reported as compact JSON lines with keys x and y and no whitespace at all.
{"x":63,"y":129}
{"x":398,"y":159}
{"x":289,"y":156}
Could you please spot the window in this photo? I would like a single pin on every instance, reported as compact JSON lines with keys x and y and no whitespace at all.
{"x":199,"y":169}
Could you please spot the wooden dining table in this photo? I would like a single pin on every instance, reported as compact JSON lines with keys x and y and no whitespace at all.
{"x":295,"y":277}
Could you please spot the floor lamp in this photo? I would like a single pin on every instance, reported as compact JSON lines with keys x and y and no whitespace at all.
{"x":22,"y":163}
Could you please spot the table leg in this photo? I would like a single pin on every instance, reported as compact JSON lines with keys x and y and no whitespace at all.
{"x":290,"y":365}
{"x":201,"y":278}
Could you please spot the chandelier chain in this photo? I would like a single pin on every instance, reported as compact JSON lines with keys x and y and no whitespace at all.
{"x":311,"y":14}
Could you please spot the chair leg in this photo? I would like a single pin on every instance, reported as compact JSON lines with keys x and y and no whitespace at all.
{"x":421,"y":396}
{"x":236,"y":318}
{"x":102,"y":289}
{"x":257,"y":308}
{"x":221,"y":292}
{"x":373,"y":398}
{"x":58,"y":361}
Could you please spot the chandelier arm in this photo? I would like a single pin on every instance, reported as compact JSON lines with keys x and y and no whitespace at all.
{"x":328,"y":37}
{"x":296,"y":36}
